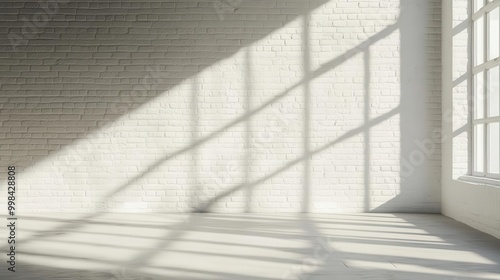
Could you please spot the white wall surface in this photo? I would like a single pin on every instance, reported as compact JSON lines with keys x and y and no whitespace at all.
{"x":477,"y":205}
{"x":228,"y":106}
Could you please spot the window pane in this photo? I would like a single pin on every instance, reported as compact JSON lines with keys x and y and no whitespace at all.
{"x":479,"y":41}
{"x":478,"y":4}
{"x":494,"y":148}
{"x":479,"y":96}
{"x":479,"y":148}
{"x":492,"y":92}
{"x":494,"y":33}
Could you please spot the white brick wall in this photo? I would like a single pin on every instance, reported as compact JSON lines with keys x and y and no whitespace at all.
{"x":227,"y":106}
{"x":477,"y":205}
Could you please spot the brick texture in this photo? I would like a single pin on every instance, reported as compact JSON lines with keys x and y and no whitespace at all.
{"x":225,"y":106}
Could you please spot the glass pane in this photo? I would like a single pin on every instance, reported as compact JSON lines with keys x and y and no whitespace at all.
{"x":479,"y":41}
{"x":494,"y":148}
{"x":492,"y":92}
{"x":494,"y":33}
{"x":479,"y":148}
{"x":478,"y":4}
{"x":479,"y":96}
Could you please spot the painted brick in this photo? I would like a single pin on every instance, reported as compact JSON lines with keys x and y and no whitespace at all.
{"x":140,"y":106}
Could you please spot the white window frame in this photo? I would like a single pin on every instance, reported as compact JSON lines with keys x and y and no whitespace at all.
{"x":482,"y":69}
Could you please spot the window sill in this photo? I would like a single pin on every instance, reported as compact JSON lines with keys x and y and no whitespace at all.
{"x":480,"y":180}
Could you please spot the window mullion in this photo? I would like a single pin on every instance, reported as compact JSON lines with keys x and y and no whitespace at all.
{"x":487,"y":7}
{"x":485,"y":88}
{"x":485,"y":149}
{"x":486,"y":65}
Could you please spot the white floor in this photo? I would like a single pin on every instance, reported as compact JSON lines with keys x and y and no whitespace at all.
{"x":250,"y":246}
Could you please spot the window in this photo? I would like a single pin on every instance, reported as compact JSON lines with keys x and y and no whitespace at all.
{"x":486,"y":81}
